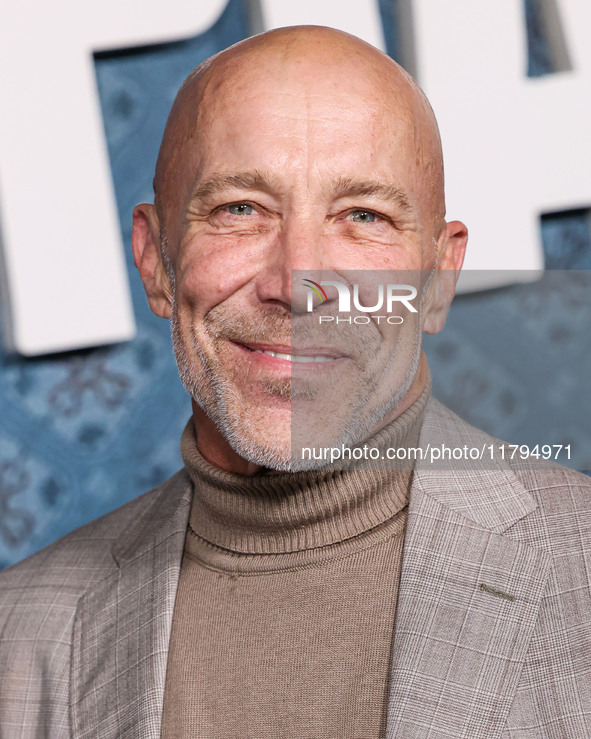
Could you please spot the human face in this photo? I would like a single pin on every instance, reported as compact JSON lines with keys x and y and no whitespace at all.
{"x":294,"y":173}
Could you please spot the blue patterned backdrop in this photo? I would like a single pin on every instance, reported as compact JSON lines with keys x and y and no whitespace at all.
{"x":84,"y":432}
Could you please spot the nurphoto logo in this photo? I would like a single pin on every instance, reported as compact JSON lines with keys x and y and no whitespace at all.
{"x":387,"y":297}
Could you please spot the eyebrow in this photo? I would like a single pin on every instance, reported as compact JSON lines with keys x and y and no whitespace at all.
{"x":217,"y":183}
{"x":344,"y":187}
{"x":348,"y":187}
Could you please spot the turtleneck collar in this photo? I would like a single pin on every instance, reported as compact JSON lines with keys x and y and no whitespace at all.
{"x":292,"y":512}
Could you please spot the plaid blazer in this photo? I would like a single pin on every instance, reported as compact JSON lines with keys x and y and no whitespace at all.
{"x":492,"y":634}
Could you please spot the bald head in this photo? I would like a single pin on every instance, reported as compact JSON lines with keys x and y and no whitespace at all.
{"x":312,"y":63}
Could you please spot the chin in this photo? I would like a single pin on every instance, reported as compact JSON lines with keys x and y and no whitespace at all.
{"x":272,"y":453}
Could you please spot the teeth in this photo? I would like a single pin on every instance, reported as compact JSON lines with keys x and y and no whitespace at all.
{"x":296,"y":357}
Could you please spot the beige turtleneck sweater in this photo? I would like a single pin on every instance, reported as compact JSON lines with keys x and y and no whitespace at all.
{"x":284,"y":615}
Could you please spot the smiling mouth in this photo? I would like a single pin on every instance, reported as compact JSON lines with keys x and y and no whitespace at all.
{"x":295,"y":358}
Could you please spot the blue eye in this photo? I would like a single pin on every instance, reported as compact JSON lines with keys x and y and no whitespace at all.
{"x":240,"y":209}
{"x":363,"y":216}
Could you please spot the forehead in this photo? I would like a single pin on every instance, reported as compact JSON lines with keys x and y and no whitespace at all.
{"x":323,"y":110}
{"x":303,"y":117}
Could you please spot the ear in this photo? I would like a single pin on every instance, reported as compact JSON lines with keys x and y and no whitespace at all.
{"x":451,"y":249}
{"x":145,"y":242}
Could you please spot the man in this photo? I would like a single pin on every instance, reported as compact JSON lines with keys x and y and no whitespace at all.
{"x":261,"y":592}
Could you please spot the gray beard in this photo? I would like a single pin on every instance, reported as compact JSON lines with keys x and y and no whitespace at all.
{"x":217,"y":398}
{"x":213,"y":394}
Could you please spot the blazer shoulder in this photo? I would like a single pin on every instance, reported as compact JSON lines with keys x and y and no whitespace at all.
{"x":560,"y":511}
{"x":40,"y":596}
{"x":562,"y":519}
{"x":84,"y":556}
{"x":549,"y":482}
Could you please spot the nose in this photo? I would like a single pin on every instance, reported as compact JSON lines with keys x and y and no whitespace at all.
{"x":297,"y":253}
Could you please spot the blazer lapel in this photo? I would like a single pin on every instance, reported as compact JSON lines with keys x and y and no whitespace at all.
{"x":467,"y":605}
{"x":122,"y":627}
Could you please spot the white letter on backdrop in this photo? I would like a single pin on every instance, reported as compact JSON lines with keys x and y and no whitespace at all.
{"x":64,"y":283}
{"x":514,"y":147}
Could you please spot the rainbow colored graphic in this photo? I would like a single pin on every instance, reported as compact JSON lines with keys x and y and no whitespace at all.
{"x":316,"y":288}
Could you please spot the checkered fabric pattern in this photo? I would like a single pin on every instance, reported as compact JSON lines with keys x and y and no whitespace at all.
{"x":85,"y":624}
{"x":493,"y":626}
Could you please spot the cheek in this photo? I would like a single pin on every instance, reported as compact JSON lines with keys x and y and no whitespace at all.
{"x":212,"y":273}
